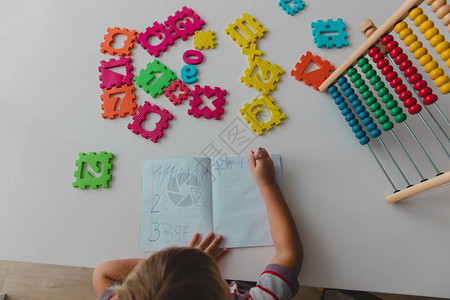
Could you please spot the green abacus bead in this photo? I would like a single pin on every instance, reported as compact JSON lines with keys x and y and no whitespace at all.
{"x":400,"y":117}
{"x":374,"y":107}
{"x":378,"y":86}
{"x":366,"y":68}
{"x":371,"y":73}
{"x":371,"y":100}
{"x":362,"y":61}
{"x":366,"y":95}
{"x":383,"y":119}
{"x":387,"y":126}
{"x":363,"y":88}
{"x":374,"y":79}
{"x":355,"y":77}
{"x":359,"y":83}
{"x":378,"y":113}
{"x":396,"y":111}
{"x":383,"y":91}
{"x":391,"y":104}
{"x":386,"y":98}
{"x":351,"y":72}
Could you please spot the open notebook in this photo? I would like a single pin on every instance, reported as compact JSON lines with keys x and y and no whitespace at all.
{"x":188,"y":195}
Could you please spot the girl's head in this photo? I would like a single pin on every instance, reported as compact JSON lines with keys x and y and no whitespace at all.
{"x":174,"y":273}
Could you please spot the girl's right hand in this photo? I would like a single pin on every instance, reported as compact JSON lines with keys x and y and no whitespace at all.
{"x":262,"y":168}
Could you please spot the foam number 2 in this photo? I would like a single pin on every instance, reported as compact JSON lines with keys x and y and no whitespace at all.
{"x":188,"y":73}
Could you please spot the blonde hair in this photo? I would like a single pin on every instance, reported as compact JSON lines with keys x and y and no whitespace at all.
{"x":174,"y":273}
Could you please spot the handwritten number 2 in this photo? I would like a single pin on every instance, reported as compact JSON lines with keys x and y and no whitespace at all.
{"x":157,"y":198}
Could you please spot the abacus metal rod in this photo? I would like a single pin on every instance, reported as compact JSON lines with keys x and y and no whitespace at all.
{"x":442,"y":115}
{"x":382,"y":168}
{"x":393,"y":160}
{"x":435,"y":137}
{"x":407,"y":154}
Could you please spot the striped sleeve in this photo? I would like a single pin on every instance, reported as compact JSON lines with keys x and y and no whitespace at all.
{"x":275,"y":283}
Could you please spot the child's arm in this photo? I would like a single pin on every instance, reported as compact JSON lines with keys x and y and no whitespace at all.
{"x":288,"y":246}
{"x":109,"y":272}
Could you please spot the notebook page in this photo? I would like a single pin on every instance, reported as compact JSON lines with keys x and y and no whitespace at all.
{"x":239,"y":212}
{"x":176,"y":202}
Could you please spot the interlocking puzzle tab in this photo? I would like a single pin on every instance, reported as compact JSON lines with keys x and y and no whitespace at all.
{"x":316,"y":77}
{"x":109,"y":78}
{"x":206,"y":112}
{"x":249,"y":27}
{"x":105,"y":46}
{"x":204,"y":40}
{"x":184,"y":92}
{"x":323,"y":33}
{"x":110,"y":99}
{"x":83,"y":178}
{"x":250,"y":111}
{"x":146,"y":78}
{"x":156,"y":133}
{"x":251,"y":52}
{"x":156,"y":31}
{"x":184,"y":23}
{"x":264,"y":81}
{"x":297,"y":5}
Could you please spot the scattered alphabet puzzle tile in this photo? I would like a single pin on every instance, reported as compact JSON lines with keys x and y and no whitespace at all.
{"x":146,"y":77}
{"x":84,"y":178}
{"x":291,"y":7}
{"x":144,"y":110}
{"x":204,"y":40}
{"x":156,"y":32}
{"x":184,"y":23}
{"x":329,"y":33}
{"x":249,"y":27}
{"x":265,"y":79}
{"x":105,"y":46}
{"x":111,"y":98}
{"x":183,"y":92}
{"x":206,"y":112}
{"x":316,"y":77}
{"x":250,"y":111}
{"x":109,"y":78}
{"x":251,"y":51}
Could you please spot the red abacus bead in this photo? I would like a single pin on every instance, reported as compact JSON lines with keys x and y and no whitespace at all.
{"x":382,"y":63}
{"x":396,"y":82}
{"x":419,"y":85}
{"x":409,"y":102}
{"x":378,"y":57}
{"x":391,"y":45}
{"x":410,"y":71}
{"x":405,"y":95}
{"x":414,"y":78}
{"x":425,"y":92}
{"x":415,"y":109}
{"x":386,"y":70}
{"x":396,"y":52}
{"x":430,"y":99}
{"x":400,"y":89}
{"x":391,"y":76}
{"x":385,"y":40}
{"x":405,"y":65}
{"x":401,"y":58}
{"x":374,"y":51}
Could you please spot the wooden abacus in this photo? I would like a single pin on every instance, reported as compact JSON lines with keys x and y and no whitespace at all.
{"x":390,"y":59}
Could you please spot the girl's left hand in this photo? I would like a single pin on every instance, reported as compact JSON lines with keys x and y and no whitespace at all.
{"x":209,"y":245}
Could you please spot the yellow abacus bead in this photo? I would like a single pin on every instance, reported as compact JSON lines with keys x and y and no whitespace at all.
{"x":415,"y":13}
{"x":445,"y":89}
{"x":400,"y":26}
{"x":445,"y":55}
{"x":436,"y":73}
{"x":436,"y":40}
{"x":440,"y":81}
{"x":425,"y":26}
{"x":420,"y":19}
{"x":405,"y":33}
{"x":420,"y":52}
{"x":415,"y":45}
{"x":409,"y":39}
{"x":430,"y":67}
{"x":448,"y":63}
{"x":430,"y":33}
{"x":425,"y":59}
{"x":442,"y":47}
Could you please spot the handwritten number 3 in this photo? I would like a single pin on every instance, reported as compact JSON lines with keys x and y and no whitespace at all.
{"x":156,"y":230}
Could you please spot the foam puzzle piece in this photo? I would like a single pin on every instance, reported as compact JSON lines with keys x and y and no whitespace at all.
{"x":337,"y":40}
{"x":109,"y":78}
{"x":263,"y":82}
{"x":156,"y":30}
{"x":316,"y":77}
{"x":188,"y":73}
{"x":110,"y":100}
{"x":184,"y":92}
{"x":297,"y":5}
{"x":128,"y":44}
{"x":84,"y":178}
{"x":249,"y":27}
{"x":206,"y":112}
{"x":251,"y":52}
{"x":156,"y":133}
{"x":146,"y":78}
{"x":250,"y":110}
{"x":184,"y":23}
{"x":187,"y":57}
{"x":204,"y":40}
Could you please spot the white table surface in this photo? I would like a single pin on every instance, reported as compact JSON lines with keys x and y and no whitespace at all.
{"x":50,"y":111}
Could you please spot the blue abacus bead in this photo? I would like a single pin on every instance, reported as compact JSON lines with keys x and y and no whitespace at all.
{"x":349,"y":117}
{"x":346,"y":111}
{"x":375,"y":133}
{"x":349,"y":92}
{"x":335,"y":95}
{"x":360,"y":134}
{"x":367,"y":121}
{"x":332,"y":89}
{"x":352,"y":97}
{"x":357,"y":128}
{"x":353,"y":122}
{"x":364,"y":114}
{"x":364,"y":140}
{"x":341,"y":81}
{"x":342,"y":106}
{"x":339,"y":100}
{"x":356,"y":104}
{"x":371,"y":127}
{"x":345,"y":86}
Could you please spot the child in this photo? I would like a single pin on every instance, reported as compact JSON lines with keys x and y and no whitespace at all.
{"x":192,"y":273}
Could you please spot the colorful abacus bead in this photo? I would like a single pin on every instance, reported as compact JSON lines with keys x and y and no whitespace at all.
{"x":442,"y":11}
{"x":360,"y":134}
